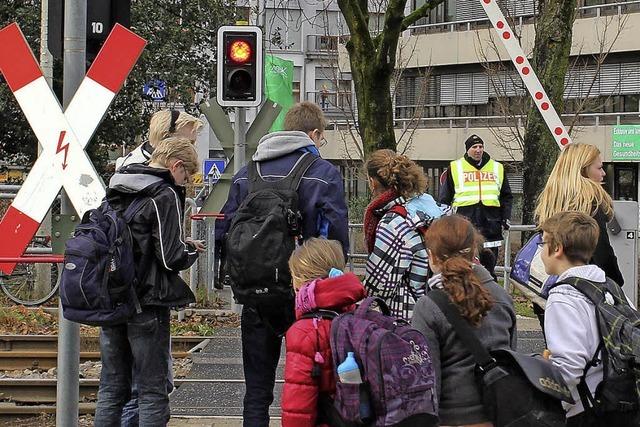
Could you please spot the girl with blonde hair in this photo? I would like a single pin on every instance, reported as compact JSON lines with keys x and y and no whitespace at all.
{"x":575,"y":184}
{"x":309,"y":380}
{"x":397,"y":268}
{"x":453,"y":245}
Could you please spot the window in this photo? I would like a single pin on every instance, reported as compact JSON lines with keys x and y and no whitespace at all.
{"x":284,"y":29}
{"x":332,"y":89}
{"x":296,"y":83}
{"x":631,"y":103}
{"x":625,"y":182}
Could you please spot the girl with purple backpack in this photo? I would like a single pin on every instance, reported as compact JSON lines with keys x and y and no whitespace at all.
{"x":453,"y":244}
{"x":322,"y":292}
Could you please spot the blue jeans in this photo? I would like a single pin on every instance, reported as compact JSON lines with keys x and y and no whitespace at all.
{"x":130,"y":412}
{"x":137,"y":352}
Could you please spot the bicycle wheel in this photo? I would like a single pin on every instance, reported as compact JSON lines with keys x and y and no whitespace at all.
{"x":31,"y":284}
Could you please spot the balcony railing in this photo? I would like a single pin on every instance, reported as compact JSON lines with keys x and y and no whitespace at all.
{"x":332,"y":101}
{"x":584,"y":119}
{"x":609,"y":9}
{"x":320,"y":43}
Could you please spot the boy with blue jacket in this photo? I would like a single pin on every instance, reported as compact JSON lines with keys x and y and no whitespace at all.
{"x":324,"y":214}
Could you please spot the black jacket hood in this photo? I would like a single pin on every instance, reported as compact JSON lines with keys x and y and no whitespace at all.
{"x":159,"y":248}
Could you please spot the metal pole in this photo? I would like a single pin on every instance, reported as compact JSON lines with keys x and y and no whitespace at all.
{"x":75,"y":25}
{"x":507,"y":262}
{"x":46,"y":59}
{"x":239,"y":143}
{"x":239,"y":152}
{"x":43,"y":271}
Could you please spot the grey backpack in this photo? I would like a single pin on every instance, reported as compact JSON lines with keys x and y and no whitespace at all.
{"x":619,"y":350}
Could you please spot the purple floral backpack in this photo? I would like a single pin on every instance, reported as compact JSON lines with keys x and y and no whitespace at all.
{"x":398,"y":379}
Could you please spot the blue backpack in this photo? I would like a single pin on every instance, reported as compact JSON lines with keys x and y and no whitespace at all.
{"x":98,"y":281}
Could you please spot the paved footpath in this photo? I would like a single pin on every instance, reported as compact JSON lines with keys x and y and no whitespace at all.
{"x":211,"y":422}
{"x":219,"y":404}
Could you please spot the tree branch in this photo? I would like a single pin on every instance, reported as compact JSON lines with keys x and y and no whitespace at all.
{"x":356,"y":19}
{"x":388,"y":39}
{"x":420,"y":12}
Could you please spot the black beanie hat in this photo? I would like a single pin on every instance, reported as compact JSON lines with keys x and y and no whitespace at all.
{"x":473,"y":140}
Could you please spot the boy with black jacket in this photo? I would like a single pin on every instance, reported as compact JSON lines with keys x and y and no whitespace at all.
{"x":324,"y":214}
{"x":140,"y":347}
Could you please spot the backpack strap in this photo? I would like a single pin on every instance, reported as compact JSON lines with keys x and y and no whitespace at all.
{"x":400,"y":210}
{"x":366,"y":304}
{"x":289,"y":182}
{"x":587,"y":399}
{"x":128,"y":214}
{"x":320,"y":314}
{"x":463,"y":330}
{"x":133,"y":208}
{"x":317,"y":315}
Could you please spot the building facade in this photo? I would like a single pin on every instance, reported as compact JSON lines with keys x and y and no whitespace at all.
{"x":455,"y":79}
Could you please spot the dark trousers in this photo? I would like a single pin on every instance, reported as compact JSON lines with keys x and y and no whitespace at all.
{"x":261,"y":341}
{"x":610,"y":419}
{"x":137,"y":352}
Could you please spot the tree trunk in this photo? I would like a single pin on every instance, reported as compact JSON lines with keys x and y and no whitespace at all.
{"x":554,"y":28}
{"x":373,"y":93}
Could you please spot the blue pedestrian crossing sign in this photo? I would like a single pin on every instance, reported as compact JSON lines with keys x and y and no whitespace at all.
{"x":155,"y":89}
{"x":213,"y":167}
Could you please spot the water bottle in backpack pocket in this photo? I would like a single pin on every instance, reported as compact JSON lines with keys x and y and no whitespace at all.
{"x":97,"y":284}
{"x":394,"y":363}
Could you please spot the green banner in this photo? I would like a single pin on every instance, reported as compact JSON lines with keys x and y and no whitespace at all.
{"x":625,"y":144}
{"x":278,"y":86}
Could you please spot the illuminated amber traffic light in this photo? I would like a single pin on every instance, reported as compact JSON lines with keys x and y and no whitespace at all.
{"x":239,"y":66}
{"x":240,"y":51}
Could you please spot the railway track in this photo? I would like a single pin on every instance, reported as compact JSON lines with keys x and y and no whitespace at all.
{"x":18,"y":352}
{"x":36,"y":396}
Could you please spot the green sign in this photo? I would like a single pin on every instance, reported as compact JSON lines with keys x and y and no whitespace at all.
{"x":278,"y":86}
{"x":626,"y":143}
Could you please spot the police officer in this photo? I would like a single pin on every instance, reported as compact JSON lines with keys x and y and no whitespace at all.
{"x":477,"y":187}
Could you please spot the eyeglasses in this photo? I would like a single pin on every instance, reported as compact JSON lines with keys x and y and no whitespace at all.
{"x":187,"y":177}
{"x":541,"y":244}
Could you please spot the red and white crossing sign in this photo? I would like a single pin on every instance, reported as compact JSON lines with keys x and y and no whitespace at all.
{"x":62,"y":135}
{"x":520,"y":61}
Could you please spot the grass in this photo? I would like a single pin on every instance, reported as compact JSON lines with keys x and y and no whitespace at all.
{"x":19,"y":320}
{"x":522,"y":305}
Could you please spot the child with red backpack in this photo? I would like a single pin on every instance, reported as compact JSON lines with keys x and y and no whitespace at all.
{"x":322,"y":292}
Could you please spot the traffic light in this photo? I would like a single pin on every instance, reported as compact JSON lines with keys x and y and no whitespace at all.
{"x":239,"y":66}
{"x":101,"y":17}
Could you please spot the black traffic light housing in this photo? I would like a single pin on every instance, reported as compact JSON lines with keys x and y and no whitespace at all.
{"x":240,"y":59}
{"x":102,"y":15}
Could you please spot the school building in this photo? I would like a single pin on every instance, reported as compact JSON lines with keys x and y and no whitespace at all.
{"x":457,"y":80}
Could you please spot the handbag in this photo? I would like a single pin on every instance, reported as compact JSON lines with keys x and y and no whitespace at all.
{"x":528,"y":270}
{"x":518,"y":390}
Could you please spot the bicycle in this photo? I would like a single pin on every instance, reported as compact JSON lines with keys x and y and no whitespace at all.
{"x":32,"y":284}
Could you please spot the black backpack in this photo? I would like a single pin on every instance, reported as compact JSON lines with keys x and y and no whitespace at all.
{"x":518,"y":390}
{"x":263,"y":234}
{"x":617,"y":396}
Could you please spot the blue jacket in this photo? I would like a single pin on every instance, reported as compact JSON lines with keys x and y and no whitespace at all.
{"x":320,"y":195}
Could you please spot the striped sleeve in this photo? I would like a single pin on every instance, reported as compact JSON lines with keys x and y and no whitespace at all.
{"x":397,"y":269}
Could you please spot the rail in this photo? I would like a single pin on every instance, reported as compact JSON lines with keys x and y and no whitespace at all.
{"x":55,"y":259}
{"x":468,"y":24}
{"x":595,"y":119}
